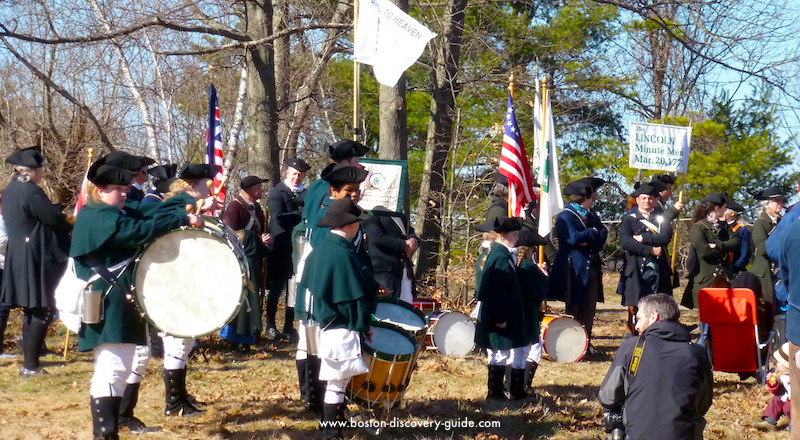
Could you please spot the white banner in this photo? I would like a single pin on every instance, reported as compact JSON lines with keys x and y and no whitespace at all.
{"x":659,"y":147}
{"x":384,"y":185}
{"x":388,"y":39}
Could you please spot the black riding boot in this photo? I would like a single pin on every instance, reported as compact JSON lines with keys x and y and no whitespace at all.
{"x":34,"y":330}
{"x":495,"y":382}
{"x":288,"y":323}
{"x":126,"y":418}
{"x":518,"y":384}
{"x":333,"y":415}
{"x":302,"y":378}
{"x":316,"y":387}
{"x":105,"y":411}
{"x":177,"y":397}
{"x":507,"y":380}
{"x":272,"y":311}
{"x":530,"y":371}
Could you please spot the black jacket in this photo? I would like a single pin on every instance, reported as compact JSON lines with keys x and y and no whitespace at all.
{"x":671,"y":391}
{"x":285,"y":210}
{"x":639,"y":262}
{"x":38,"y":246}
{"x":386,"y":246}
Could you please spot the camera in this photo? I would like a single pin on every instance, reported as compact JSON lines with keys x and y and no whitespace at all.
{"x":612,"y":424}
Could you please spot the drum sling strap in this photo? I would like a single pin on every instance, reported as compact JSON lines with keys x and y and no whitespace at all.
{"x":106,"y":273}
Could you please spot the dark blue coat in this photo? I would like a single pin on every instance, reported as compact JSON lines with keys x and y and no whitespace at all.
{"x":790,"y":275}
{"x":741,"y":256}
{"x":579,"y":242}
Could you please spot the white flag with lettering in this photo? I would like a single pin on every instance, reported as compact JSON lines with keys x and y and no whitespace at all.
{"x":388,"y":39}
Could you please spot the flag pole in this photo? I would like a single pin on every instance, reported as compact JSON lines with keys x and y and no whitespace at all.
{"x":89,"y":153}
{"x":677,"y":227}
{"x":356,"y":75}
{"x":541,"y":159}
{"x":511,"y":94}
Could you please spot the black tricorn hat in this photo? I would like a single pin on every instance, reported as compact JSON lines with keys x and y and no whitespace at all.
{"x":500,"y":224}
{"x":342,"y":212}
{"x":127,"y":161}
{"x":297,"y":163}
{"x":658,"y":185}
{"x":716,"y":198}
{"x":499,"y":178}
{"x":771,"y":192}
{"x":734,"y":206}
{"x":102,"y":174}
{"x":345,"y":149}
{"x":163,"y":172}
{"x":196,"y":171}
{"x":594,"y":182}
{"x":667,"y":179}
{"x":30,"y":157}
{"x":645,"y":189}
{"x":249,"y":181}
{"x":579,"y":187}
{"x":341,"y":174}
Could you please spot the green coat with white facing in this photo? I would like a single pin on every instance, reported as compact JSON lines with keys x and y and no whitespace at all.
{"x":501,"y":301}
{"x":110,"y":235}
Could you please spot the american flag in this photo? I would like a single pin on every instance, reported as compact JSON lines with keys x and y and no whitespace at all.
{"x":82,"y":197}
{"x":514,"y":165}
{"x":214,"y":138}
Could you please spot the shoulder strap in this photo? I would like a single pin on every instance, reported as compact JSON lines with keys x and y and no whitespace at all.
{"x":636,"y":358}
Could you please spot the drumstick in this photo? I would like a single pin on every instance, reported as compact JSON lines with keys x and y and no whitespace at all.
{"x":200,"y":204}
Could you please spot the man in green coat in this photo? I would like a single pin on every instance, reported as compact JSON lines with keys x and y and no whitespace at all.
{"x":502,"y":321}
{"x":341,"y":304}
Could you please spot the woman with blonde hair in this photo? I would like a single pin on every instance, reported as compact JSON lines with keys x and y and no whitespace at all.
{"x":38,"y":239}
{"x":108,"y":235}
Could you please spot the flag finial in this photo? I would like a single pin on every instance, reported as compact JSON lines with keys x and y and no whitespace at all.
{"x":511,"y":84}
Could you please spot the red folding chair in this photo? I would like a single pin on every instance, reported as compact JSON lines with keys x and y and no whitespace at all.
{"x":733,"y":318}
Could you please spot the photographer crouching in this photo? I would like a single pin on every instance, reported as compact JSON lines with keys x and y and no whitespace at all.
{"x":660,"y":384}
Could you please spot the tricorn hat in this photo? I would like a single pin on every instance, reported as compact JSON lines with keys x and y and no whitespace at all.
{"x":30,"y":157}
{"x":716,"y":198}
{"x":579,"y":187}
{"x":645,"y":189}
{"x":297,"y":163}
{"x":667,"y":179}
{"x":500,"y":224}
{"x":734,"y":206}
{"x":102,"y":174}
{"x":196,"y":171}
{"x":769,"y":193}
{"x":163,"y":172}
{"x":595,"y":182}
{"x":127,"y":161}
{"x":341,"y":174}
{"x":342,"y":212}
{"x":345,"y":149}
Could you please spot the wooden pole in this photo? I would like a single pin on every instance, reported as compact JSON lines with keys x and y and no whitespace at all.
{"x":356,"y":76}
{"x":543,"y":140}
{"x":89,"y":154}
{"x":509,"y":212}
{"x":675,"y":235}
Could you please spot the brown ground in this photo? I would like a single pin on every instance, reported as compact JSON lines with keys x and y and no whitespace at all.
{"x":255,"y":396}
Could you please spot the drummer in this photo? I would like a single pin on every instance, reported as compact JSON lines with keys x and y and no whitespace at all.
{"x":343,"y":182}
{"x":192,"y":181}
{"x":501,"y":325}
{"x":341,"y":304}
{"x":108,"y":234}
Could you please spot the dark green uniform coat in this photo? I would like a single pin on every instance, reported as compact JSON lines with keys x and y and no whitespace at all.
{"x":111,"y":236}
{"x":710,"y":262}
{"x":534,"y":290}
{"x":38,"y":242}
{"x":762,"y":265}
{"x":338,"y":285}
{"x":501,"y":301}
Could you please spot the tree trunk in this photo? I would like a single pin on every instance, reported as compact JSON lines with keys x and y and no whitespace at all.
{"x":447,"y":52}
{"x":282,"y":71}
{"x":262,"y":121}
{"x":393,"y":128}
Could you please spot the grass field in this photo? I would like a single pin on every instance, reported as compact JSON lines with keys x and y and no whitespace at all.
{"x":256,"y":396}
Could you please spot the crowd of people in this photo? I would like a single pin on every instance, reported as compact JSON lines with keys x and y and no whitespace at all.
{"x":330,"y":261}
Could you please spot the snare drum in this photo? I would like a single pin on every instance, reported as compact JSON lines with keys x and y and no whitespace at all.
{"x":427,"y":305}
{"x":390,"y":358}
{"x":564,"y":338}
{"x":451,"y":333}
{"x":190,"y":282}
{"x":403,"y":315}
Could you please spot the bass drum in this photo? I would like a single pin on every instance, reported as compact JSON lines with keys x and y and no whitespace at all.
{"x":564,"y":338}
{"x":451,"y":333}
{"x":190,"y":282}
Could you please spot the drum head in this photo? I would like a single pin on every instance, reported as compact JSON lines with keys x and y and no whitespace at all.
{"x":565,"y":340}
{"x":189,"y":282}
{"x":388,"y":342}
{"x":454,"y":334}
{"x":400,"y":314}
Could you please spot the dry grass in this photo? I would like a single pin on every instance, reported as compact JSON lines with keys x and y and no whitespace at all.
{"x":255,"y":397}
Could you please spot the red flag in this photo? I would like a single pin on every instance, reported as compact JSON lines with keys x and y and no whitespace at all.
{"x":82,"y":197}
{"x":514,"y":165}
{"x":214,"y":139}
